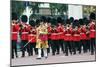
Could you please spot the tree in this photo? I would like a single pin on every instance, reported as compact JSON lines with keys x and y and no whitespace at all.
{"x":34,"y":6}
{"x":18,"y":7}
{"x":60,"y":8}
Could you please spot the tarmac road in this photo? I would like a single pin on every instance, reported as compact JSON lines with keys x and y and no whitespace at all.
{"x":61,"y":58}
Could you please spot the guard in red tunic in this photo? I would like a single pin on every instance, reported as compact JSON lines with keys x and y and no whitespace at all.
{"x":49,"y":33}
{"x":92,"y":36}
{"x":87,"y":38}
{"x":14,"y":33}
{"x":32,"y":38}
{"x":24,"y":35}
{"x":60,"y":29}
{"x":67,"y":39}
{"x":49,"y":39}
{"x":54,"y":39}
{"x":83,"y":38}
{"x":76,"y":38}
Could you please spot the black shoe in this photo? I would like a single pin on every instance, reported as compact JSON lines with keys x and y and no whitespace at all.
{"x":38,"y":58}
{"x":36,"y":53}
{"x":53,"y":54}
{"x":71,"y":53}
{"x":74,"y":53}
{"x":57,"y":53}
{"x":84,"y":51}
{"x":66,"y":54}
{"x":63,"y":51}
{"x":46,"y":57}
{"x":92,"y":53}
{"x":42,"y":55}
{"x":22,"y":56}
{"x":16,"y":56}
{"x":79,"y":52}
{"x":31,"y":54}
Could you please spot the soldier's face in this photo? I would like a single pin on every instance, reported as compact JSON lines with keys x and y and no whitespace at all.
{"x":49,"y":24}
{"x":41,"y":23}
{"x":59,"y":24}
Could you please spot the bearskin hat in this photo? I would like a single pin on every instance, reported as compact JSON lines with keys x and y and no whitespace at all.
{"x":24,"y":18}
{"x":37,"y":21}
{"x":81,"y":21}
{"x":32,"y":23}
{"x":49,"y":19}
{"x":59,"y":20}
{"x":53,"y":21}
{"x":43,"y":19}
{"x":93,"y":16}
{"x":71,"y":19}
{"x":85,"y":20}
{"x":76,"y":22}
{"x":14,"y":16}
{"x":68,"y":21}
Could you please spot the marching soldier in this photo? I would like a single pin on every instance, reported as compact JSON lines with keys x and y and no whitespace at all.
{"x":60,"y":30}
{"x":54,"y":39}
{"x":49,"y":33}
{"x":92,"y":36}
{"x":83,"y":38}
{"x":32,"y":38}
{"x":88,"y":38}
{"x":67,"y":39}
{"x":76,"y":38}
{"x":14,"y":29}
{"x":92,"y":33}
{"x":24,"y":34}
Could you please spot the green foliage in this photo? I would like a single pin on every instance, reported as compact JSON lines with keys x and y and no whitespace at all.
{"x":18,"y":7}
{"x":61,"y":8}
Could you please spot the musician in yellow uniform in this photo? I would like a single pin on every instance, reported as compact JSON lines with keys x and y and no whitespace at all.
{"x":42,"y":39}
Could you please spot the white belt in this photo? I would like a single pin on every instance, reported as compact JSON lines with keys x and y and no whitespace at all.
{"x":76,"y":35}
{"x":81,"y":33}
{"x":54,"y":33}
{"x":14,"y":32}
{"x":24,"y":32}
{"x":32,"y":35}
{"x":68,"y":34}
{"x":60,"y":33}
{"x":92,"y":30}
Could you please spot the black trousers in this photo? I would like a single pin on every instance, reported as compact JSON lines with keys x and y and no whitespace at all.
{"x":76,"y":46}
{"x":79,"y":46}
{"x":49,"y":43}
{"x":83,"y":43}
{"x":93,"y":45}
{"x":23,"y":47}
{"x":61,"y":44}
{"x":68,"y":46}
{"x":32,"y":46}
{"x":14,"y":48}
{"x":55,"y":47}
{"x":88,"y":44}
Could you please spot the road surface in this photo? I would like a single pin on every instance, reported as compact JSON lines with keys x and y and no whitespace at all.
{"x":61,"y":58}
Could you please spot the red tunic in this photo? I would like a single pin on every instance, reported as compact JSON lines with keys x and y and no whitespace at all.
{"x":76,"y":35}
{"x":32,"y":36}
{"x":24,"y":31}
{"x":87,"y":37}
{"x":92,"y":31}
{"x":83,"y":33}
{"x":60,"y":31}
{"x":15,"y":29}
{"x":67,"y":36}
{"x":54,"y":35}
{"x":49,"y":32}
